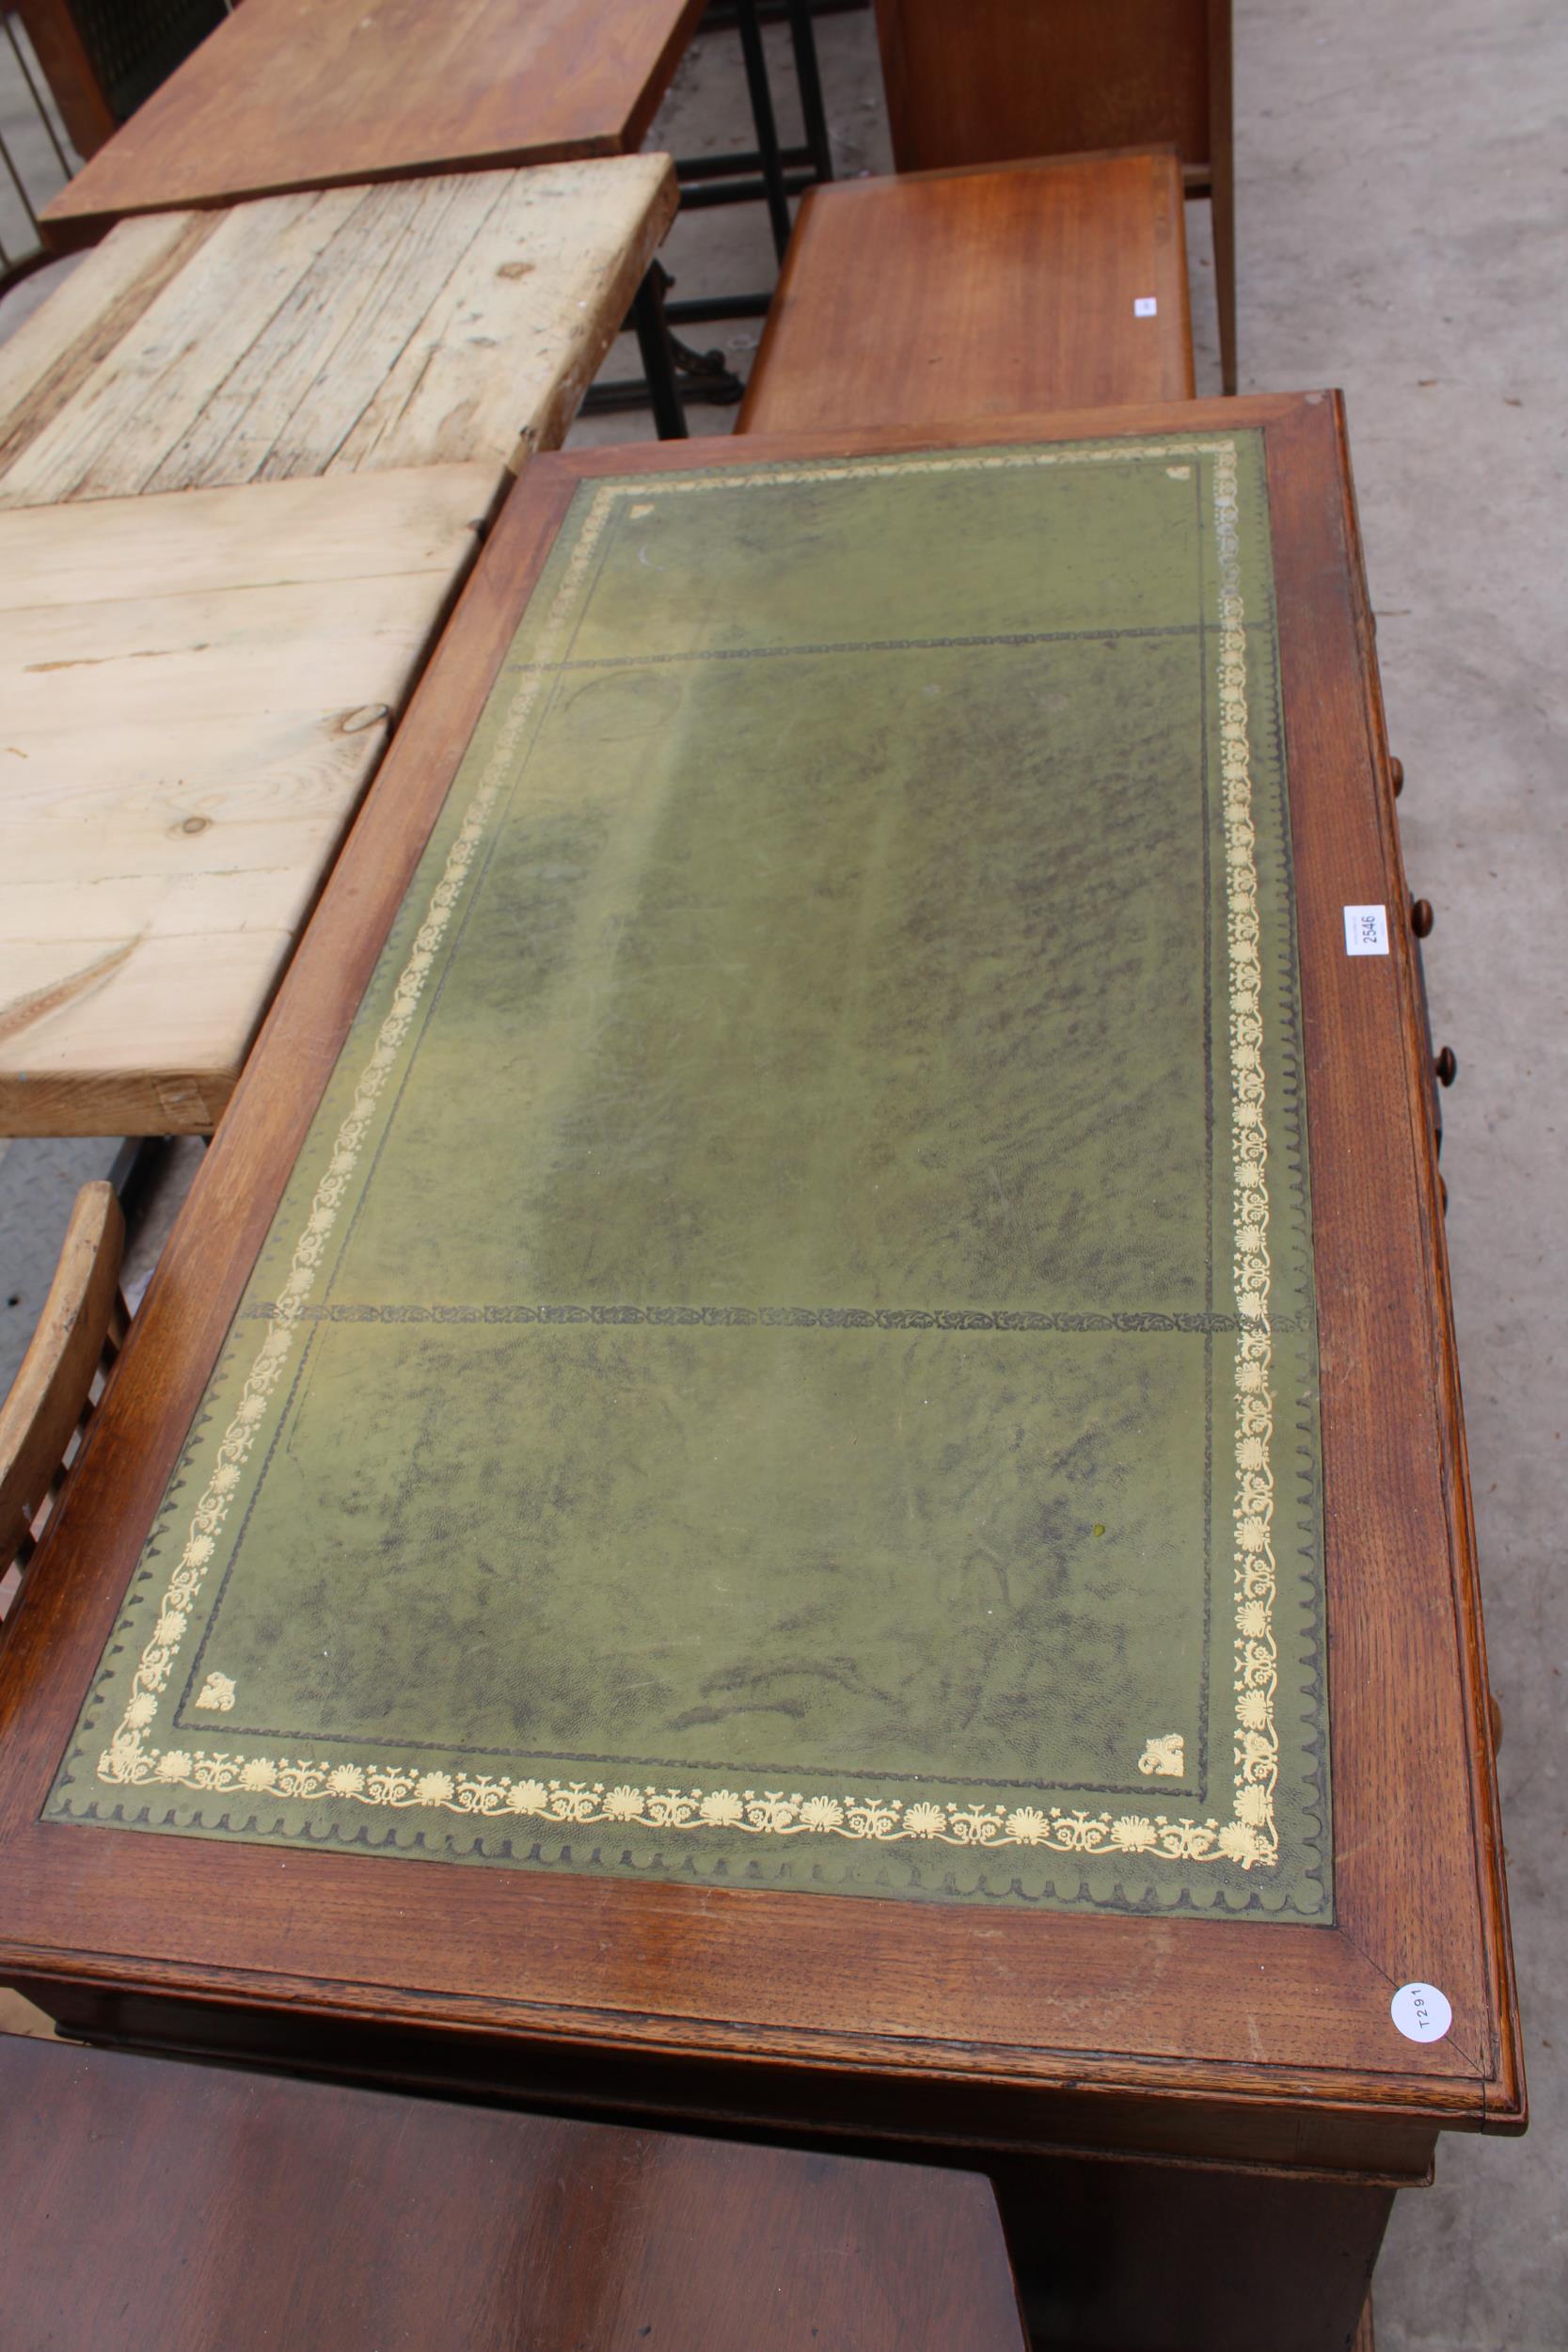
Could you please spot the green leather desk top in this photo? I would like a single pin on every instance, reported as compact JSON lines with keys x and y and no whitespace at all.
{"x":788,"y":1353}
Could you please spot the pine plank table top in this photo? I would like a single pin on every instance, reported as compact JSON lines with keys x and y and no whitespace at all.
{"x":311,"y":93}
{"x":989,"y":291}
{"x":218,"y":553}
{"x":195,"y":690}
{"x":429,"y":322}
{"x":253,"y":2213}
{"x":696,"y":1424}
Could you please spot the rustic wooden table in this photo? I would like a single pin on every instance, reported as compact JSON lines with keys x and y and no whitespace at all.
{"x":313,"y":93}
{"x":503,"y":1477}
{"x":244,"y":459}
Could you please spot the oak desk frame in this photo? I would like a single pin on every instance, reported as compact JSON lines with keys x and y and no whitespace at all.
{"x":1188,"y":2038}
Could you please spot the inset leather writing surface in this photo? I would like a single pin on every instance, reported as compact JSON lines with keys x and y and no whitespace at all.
{"x":788,"y":1351}
{"x":779,"y":995}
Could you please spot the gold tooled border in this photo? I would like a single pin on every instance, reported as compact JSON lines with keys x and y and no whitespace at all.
{"x":1251,"y":1836}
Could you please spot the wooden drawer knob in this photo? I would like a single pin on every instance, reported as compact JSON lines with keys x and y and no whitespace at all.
{"x":1447,"y":1066}
{"x":1421,"y":917}
{"x":1396,"y":769}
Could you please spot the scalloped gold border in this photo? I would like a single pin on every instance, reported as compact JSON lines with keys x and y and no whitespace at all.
{"x":1251,"y":1836}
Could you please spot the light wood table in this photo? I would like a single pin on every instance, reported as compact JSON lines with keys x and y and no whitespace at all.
{"x":195,"y":690}
{"x":452,"y":320}
{"x":313,"y":93}
{"x":333,"y":390}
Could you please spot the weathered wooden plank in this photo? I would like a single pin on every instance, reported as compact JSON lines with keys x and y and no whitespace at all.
{"x":195,"y":691}
{"x":442,"y":321}
{"x":57,"y":348}
{"x":81,"y":556}
{"x":557,"y":270}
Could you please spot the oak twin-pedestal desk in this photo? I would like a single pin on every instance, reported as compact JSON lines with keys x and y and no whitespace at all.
{"x":799,"y":1461}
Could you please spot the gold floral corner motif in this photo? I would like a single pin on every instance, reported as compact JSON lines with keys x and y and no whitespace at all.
{"x":1250,"y":1837}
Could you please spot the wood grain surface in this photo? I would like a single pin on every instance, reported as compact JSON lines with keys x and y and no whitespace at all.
{"x":997,"y":82}
{"x":157,"y":2207}
{"x":82,"y":1315}
{"x":195,"y":691}
{"x":430,"y":321}
{"x":315,"y":93}
{"x":978,"y":293}
{"x":994,"y":82}
{"x":1270,"y":2042}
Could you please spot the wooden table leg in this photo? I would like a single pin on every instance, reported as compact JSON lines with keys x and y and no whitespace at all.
{"x":1165,"y":2258}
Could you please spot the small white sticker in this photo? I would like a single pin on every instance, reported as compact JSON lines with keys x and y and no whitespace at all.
{"x":1366,"y":930}
{"x":1420,"y":2013}
{"x":1145,"y":307}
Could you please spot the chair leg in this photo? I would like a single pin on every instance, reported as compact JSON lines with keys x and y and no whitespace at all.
{"x":659,"y":357}
{"x":1224,"y":210}
{"x":755,"y":60}
{"x":1222,"y":151}
{"x":808,"y":77}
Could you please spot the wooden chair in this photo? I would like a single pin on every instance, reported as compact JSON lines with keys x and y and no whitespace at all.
{"x":52,"y":1398}
{"x":101,"y":57}
{"x":996,"y":80}
{"x":936,"y":297}
{"x":138,"y":2192}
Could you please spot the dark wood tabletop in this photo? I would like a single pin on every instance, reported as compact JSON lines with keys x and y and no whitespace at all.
{"x":316,"y":93}
{"x":163,"y":2207}
{"x":1240,"y":2038}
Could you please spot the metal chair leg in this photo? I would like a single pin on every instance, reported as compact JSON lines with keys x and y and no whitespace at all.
{"x":808,"y":78}
{"x":659,"y":357}
{"x":755,"y":62}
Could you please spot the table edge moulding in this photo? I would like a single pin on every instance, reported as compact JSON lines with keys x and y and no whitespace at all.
{"x":1265,"y":2042}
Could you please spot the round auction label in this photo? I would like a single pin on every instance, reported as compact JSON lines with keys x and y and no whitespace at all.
{"x":1421,"y":2012}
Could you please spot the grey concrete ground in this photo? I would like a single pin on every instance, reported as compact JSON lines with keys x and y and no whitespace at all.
{"x":1403,"y":177}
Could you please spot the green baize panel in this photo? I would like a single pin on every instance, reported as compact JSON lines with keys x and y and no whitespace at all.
{"x":787,"y":1355}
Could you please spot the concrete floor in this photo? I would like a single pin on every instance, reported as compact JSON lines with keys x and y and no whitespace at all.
{"x":1403,"y":177}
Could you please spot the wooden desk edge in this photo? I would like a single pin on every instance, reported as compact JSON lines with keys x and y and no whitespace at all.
{"x":177,"y":1331}
{"x":1509,"y":2111}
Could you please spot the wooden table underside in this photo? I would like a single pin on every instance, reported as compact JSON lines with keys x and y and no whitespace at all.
{"x":1269,"y":2044}
{"x":247,"y":456}
{"x":313,"y":93}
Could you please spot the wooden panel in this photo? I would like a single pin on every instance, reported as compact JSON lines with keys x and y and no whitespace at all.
{"x":428,"y":322}
{"x":68,"y":72}
{"x":979,"y":293}
{"x":195,"y":691}
{"x":139,"y":2193}
{"x":1166,"y":2034}
{"x":46,"y":1400}
{"x":316,"y":93}
{"x":999,"y":80}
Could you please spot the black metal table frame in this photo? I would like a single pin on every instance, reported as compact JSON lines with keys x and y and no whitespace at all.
{"x":769,"y":173}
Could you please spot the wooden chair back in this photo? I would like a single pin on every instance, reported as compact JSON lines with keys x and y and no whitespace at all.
{"x":52,"y":1398}
{"x":1002,"y":81}
{"x":101,"y":57}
